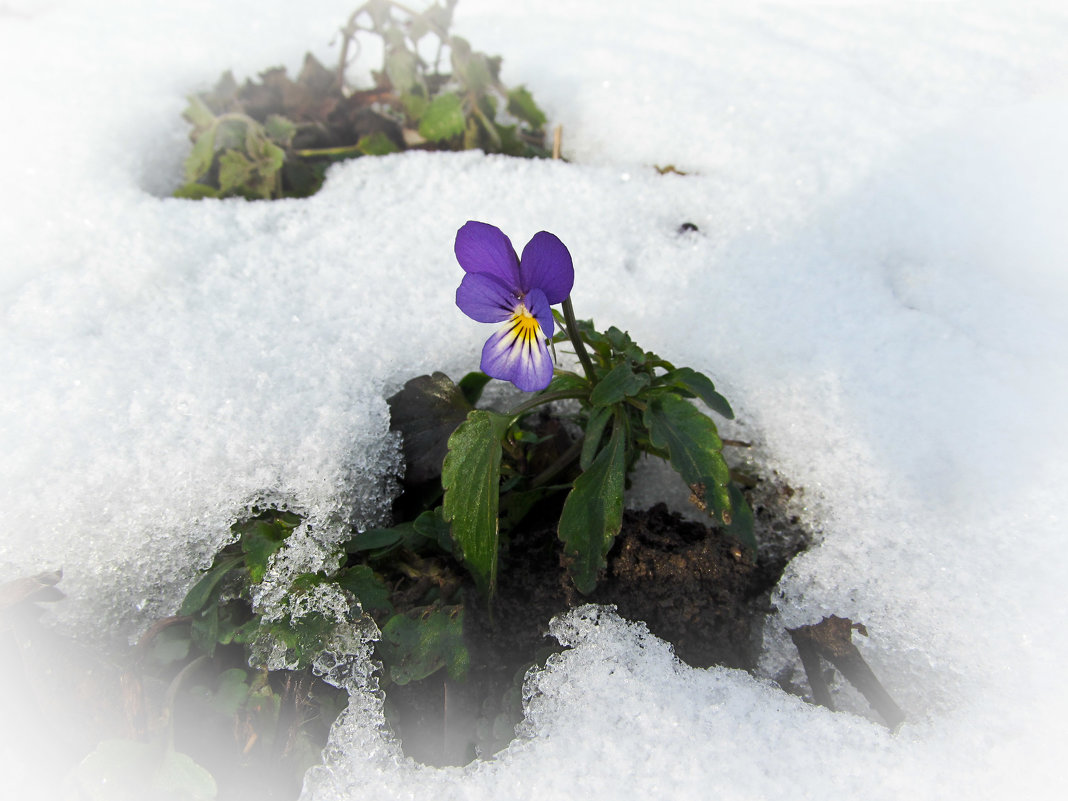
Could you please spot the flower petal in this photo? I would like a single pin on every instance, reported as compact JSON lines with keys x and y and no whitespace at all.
{"x":483,"y":248}
{"x":546,"y":265}
{"x":485,"y":298}
{"x":538,"y":305}
{"x":517,"y":353}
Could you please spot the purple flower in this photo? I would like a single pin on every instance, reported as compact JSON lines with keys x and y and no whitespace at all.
{"x":501,"y":288}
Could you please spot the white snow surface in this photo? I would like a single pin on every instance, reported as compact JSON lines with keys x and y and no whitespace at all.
{"x":877,"y":284}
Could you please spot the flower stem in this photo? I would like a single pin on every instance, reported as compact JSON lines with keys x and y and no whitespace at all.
{"x":550,"y":472}
{"x":572,"y":333}
{"x":538,"y":400}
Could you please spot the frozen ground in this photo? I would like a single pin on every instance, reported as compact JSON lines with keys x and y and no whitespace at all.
{"x":878,"y":286}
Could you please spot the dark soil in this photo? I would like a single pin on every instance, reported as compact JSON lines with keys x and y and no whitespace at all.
{"x":692,"y":585}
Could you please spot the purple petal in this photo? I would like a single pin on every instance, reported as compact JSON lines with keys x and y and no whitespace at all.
{"x":485,"y":298}
{"x":538,"y":305}
{"x":517,"y":353}
{"x":546,"y":265}
{"x":483,"y":248}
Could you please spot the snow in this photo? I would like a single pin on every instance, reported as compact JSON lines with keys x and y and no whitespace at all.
{"x":877,"y":284}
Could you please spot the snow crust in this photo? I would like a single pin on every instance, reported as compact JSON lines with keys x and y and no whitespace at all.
{"x":877,"y":284}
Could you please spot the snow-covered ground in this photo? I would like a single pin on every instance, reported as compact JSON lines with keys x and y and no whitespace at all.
{"x":877,"y":284}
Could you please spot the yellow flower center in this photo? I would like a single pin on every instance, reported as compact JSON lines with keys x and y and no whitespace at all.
{"x":525,"y":326}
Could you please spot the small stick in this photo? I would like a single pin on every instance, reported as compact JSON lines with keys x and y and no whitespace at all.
{"x":831,"y":639}
{"x":558,"y":137}
{"x":810,"y":660}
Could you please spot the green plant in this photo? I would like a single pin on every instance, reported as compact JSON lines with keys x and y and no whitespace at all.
{"x":409,"y":596}
{"x":275,"y":138}
{"x":474,"y":476}
{"x":261,"y":675}
{"x":631,"y":402}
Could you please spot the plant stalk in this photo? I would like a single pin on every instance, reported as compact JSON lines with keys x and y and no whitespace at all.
{"x":550,"y":472}
{"x":538,"y":400}
{"x":576,"y":341}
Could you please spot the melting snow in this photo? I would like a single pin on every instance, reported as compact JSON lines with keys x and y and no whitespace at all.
{"x":877,"y":284}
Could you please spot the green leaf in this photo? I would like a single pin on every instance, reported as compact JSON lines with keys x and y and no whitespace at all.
{"x":370,"y":590}
{"x":171,"y":645}
{"x":235,"y":170}
{"x":261,"y":537}
{"x":431,"y":525}
{"x":246,"y":632}
{"x":594,"y":433}
{"x":269,"y":159}
{"x":303,"y":582}
{"x":472,"y":384}
{"x":204,"y":591}
{"x":620,"y":340}
{"x":415,"y":104}
{"x":421,"y":642}
{"x":426,"y":411}
{"x":251,"y":173}
{"x":373,"y":539}
{"x":304,"y":637}
{"x":376,"y":144}
{"x":694,"y":448}
{"x":402,"y":67}
{"x":231,"y":132}
{"x":702,"y":387}
{"x":302,"y":179}
{"x":443,"y":119}
{"x":280,"y":129}
{"x":567,"y":382}
{"x":511,"y":144}
{"x":621,"y":382}
{"x":198,"y":114}
{"x":471,"y":476}
{"x":205,"y":629}
{"x":476,"y":73}
{"x":623,"y":345}
{"x":459,"y":53}
{"x":200,"y":159}
{"x":232,"y":692}
{"x":404,"y":536}
{"x":228,"y":625}
{"x":522,"y":105}
{"x":195,"y":191}
{"x":652,"y":360}
{"x":526,"y":437}
{"x":741,"y":523}
{"x":593,"y":513}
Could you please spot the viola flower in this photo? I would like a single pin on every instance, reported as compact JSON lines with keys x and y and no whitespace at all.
{"x":501,"y":288}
